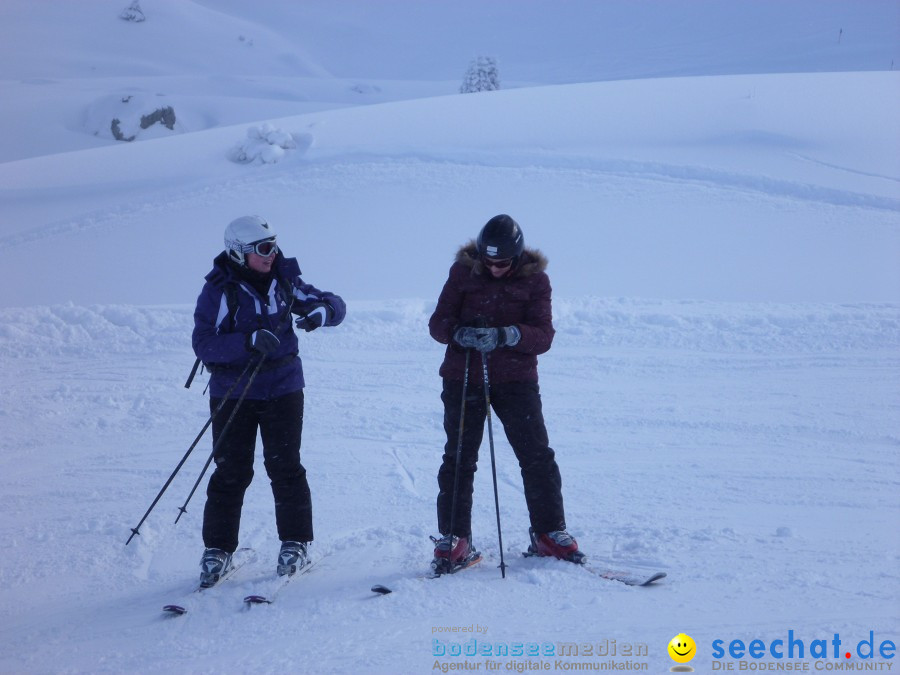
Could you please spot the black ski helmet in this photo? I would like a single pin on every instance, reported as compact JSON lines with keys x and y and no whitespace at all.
{"x":501,"y":238}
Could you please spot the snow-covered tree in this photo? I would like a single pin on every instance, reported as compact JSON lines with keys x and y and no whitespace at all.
{"x":133,"y":12}
{"x":483,"y":75}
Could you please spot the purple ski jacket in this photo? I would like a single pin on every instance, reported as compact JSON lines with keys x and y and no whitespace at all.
{"x":229,"y":308}
{"x":521,"y":298}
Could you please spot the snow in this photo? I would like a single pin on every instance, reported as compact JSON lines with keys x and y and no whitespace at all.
{"x":717,"y":188}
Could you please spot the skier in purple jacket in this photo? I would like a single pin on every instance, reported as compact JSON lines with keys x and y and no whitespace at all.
{"x":245,"y":313}
{"x":496,"y":301}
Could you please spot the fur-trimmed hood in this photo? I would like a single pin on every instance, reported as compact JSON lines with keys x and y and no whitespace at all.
{"x":532,"y":261}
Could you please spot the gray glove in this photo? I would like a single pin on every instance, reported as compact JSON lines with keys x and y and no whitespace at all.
{"x":465,"y":337}
{"x":511,"y":336}
{"x":488,"y":339}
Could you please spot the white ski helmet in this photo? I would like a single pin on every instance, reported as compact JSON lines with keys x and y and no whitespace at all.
{"x":244,"y":234}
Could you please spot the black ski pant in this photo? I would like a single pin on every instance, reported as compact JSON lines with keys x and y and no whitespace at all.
{"x":518,"y":406}
{"x":280,"y":424}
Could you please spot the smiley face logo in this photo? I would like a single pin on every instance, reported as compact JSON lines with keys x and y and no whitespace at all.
{"x":682,"y":648}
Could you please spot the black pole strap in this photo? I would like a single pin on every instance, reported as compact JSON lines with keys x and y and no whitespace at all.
{"x":187,"y":385}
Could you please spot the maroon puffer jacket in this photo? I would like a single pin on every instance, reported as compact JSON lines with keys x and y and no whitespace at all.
{"x":522,"y":299}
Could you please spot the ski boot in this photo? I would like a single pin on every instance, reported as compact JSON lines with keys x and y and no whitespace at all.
{"x":557,"y":544}
{"x":213,"y":565}
{"x":292,"y":557}
{"x":452,"y":554}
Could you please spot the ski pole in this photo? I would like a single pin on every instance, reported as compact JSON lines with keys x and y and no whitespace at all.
{"x":183,"y":508}
{"x":136,"y":529}
{"x":487,"y":404}
{"x":459,"y":442}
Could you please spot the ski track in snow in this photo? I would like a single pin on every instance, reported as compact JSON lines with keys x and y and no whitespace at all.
{"x":355,"y":173}
{"x":779,"y":246}
{"x":748,"y":450}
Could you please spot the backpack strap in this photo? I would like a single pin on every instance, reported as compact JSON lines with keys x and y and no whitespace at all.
{"x":227,"y":308}
{"x":187,"y":385}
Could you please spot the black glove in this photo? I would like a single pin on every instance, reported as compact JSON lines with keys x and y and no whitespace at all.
{"x":263,"y":341}
{"x":317,"y":316}
{"x":488,"y":339}
{"x":465,"y":337}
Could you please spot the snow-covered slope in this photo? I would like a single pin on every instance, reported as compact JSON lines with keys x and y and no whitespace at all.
{"x":742,"y":190}
{"x":748,"y":450}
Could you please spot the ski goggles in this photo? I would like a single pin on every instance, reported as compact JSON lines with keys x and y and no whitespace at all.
{"x":265,"y":247}
{"x":499,"y":264}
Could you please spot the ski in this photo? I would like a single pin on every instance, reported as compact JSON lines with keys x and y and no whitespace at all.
{"x":277,"y":585}
{"x":240,"y":558}
{"x":627,"y":577}
{"x":381,"y":589}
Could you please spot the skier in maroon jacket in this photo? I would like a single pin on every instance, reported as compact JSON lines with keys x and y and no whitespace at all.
{"x":497,"y":301}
